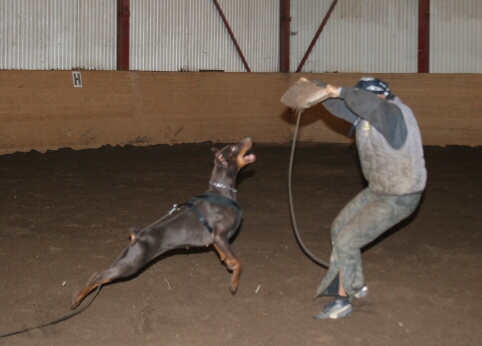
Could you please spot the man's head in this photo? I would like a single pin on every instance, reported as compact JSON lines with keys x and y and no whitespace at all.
{"x":374,"y":85}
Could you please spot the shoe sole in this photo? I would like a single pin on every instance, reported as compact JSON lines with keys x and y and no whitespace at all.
{"x":362,"y":293}
{"x":335,"y":315}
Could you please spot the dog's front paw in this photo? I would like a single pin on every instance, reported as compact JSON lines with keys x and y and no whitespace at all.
{"x":235,"y":277}
{"x":233,"y":287}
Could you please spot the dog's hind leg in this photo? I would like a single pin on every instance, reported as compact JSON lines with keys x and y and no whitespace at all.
{"x":92,"y":283}
{"x":134,"y":257}
{"x":232,"y":263}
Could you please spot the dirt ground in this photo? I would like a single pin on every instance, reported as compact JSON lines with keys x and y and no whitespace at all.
{"x":65,"y":214}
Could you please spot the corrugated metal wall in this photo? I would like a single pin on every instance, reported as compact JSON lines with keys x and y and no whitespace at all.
{"x":372,"y":36}
{"x":369,"y":36}
{"x":456,"y":36}
{"x":189,"y":35}
{"x":57,"y":34}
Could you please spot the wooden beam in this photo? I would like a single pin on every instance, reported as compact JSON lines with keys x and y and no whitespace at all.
{"x":320,"y":29}
{"x":231,"y":34}
{"x":423,"y":36}
{"x":284,"y":37}
{"x":123,"y":24}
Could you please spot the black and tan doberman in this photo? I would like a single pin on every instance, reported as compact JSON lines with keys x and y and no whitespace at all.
{"x":208,"y":219}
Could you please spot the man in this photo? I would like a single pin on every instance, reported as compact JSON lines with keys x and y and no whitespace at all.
{"x":391,"y":156}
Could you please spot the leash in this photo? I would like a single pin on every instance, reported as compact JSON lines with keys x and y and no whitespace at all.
{"x":308,"y":253}
{"x":61,"y":319}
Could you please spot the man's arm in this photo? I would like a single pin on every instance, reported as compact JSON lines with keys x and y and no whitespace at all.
{"x":385,"y":116}
{"x":336,"y":106}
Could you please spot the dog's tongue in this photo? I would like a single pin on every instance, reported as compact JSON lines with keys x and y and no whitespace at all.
{"x":250,"y":158}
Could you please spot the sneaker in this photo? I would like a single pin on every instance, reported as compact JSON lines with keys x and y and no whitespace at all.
{"x":361,"y":293}
{"x":339,"y":308}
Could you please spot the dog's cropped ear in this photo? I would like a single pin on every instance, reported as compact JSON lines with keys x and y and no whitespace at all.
{"x":219,"y":156}
{"x":221,"y":159}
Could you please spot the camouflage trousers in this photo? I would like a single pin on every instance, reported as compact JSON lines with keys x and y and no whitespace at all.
{"x":362,"y":220}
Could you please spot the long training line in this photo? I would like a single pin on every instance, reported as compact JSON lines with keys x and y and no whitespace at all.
{"x":310,"y":255}
{"x":51,"y":323}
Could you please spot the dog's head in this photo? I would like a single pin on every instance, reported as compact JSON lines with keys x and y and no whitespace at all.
{"x":235,"y":156}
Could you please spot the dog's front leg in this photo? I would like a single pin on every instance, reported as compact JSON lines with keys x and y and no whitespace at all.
{"x":232,"y":263}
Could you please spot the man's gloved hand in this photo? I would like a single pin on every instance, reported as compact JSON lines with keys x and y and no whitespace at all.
{"x":333,"y":91}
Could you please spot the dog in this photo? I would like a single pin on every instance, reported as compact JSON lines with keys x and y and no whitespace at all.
{"x":209,"y":219}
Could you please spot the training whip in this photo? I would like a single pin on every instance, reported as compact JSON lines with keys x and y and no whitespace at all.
{"x":300,"y":96}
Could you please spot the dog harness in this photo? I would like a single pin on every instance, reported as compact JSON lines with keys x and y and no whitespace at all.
{"x":215,"y":199}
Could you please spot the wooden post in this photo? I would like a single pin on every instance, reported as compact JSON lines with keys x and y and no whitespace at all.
{"x":284,"y":36}
{"x":423,"y":36}
{"x":123,"y":24}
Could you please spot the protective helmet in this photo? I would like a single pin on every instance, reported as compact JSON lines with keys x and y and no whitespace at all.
{"x":374,"y":85}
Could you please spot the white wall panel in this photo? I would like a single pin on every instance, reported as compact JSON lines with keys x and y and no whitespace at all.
{"x":456,"y":36}
{"x":57,"y":34}
{"x":189,"y":35}
{"x":157,"y":34}
{"x":360,"y":36}
{"x":256,"y":27}
{"x":172,"y":35}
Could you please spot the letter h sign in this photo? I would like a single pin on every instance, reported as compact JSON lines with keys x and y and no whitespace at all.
{"x":77,"y":79}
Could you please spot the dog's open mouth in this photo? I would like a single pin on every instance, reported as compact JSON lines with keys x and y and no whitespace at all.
{"x":249,"y":157}
{"x":246,"y":152}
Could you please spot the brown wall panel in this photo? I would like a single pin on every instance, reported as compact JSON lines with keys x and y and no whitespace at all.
{"x":41,"y":110}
